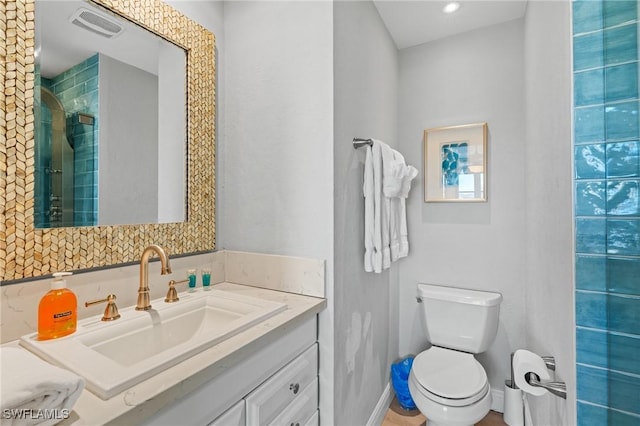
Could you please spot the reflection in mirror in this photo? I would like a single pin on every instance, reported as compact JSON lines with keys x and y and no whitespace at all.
{"x":110,"y":120}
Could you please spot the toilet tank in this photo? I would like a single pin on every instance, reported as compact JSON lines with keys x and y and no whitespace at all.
{"x":457,"y":318}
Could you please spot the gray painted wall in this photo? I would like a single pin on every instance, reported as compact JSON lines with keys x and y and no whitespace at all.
{"x":472,"y":77}
{"x":279,"y":127}
{"x":366,"y":308}
{"x":278,"y":142}
{"x":549,"y":317}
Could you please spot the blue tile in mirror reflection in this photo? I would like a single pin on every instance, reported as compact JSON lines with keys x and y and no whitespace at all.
{"x":63,"y":85}
{"x":590,"y":161}
{"x":621,"y":82}
{"x":615,"y":313}
{"x":623,"y":237}
{"x":589,"y":124}
{"x":593,"y":415}
{"x":88,"y":73}
{"x":622,"y":198}
{"x":621,"y":121}
{"x":606,"y":387}
{"x":588,"y":51}
{"x":591,"y":273}
{"x":617,"y":12}
{"x":621,"y":44}
{"x":623,"y":159}
{"x":587,"y":16}
{"x":92,"y":84}
{"x":589,"y":87}
{"x":591,"y":236}
{"x":590,"y":198}
{"x":599,"y":348}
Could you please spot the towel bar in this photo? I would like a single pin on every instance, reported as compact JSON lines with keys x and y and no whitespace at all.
{"x":359,"y":142}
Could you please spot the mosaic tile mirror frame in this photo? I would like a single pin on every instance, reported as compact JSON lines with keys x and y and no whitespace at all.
{"x":29,"y":252}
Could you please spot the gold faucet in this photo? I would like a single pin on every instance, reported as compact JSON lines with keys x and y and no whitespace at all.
{"x":143,"y":291}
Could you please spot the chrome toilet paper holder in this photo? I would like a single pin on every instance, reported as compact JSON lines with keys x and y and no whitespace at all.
{"x":556,"y":388}
{"x":550,"y":362}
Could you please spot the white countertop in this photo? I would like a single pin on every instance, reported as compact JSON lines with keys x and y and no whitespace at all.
{"x":144,"y":399}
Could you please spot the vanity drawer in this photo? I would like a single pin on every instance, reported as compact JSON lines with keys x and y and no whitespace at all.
{"x":270,"y":398}
{"x":299,"y":412}
{"x":234,"y":416}
{"x":314,"y":420}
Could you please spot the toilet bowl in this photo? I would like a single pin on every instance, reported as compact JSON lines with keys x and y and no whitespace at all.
{"x":449,"y":387}
{"x":446,"y":382}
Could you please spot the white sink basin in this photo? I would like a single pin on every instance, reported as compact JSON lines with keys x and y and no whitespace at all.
{"x":113,"y":356}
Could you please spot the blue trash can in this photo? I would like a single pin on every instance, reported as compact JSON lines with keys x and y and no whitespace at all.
{"x":400,"y":381}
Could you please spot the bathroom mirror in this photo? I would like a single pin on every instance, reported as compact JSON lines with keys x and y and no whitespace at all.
{"x":110,"y":120}
{"x":27,"y":251}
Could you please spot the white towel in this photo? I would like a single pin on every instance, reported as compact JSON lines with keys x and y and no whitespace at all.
{"x":29,"y":383}
{"x":367,"y":189}
{"x":387,"y":181}
{"x":397,"y":177}
{"x":378,"y":211}
{"x":390,"y":184}
{"x":400,"y":237}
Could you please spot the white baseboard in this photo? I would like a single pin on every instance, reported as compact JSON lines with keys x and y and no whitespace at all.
{"x":382,"y":406}
{"x":498,"y":400}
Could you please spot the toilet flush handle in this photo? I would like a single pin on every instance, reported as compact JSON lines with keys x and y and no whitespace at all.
{"x":418,"y":299}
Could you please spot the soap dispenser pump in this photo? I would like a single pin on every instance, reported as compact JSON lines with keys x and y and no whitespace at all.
{"x":58,"y":310}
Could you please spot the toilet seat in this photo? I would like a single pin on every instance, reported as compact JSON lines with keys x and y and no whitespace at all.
{"x":450,"y":402}
{"x":449,"y":377}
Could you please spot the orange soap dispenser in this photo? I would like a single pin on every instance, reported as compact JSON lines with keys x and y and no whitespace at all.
{"x":58,"y":310}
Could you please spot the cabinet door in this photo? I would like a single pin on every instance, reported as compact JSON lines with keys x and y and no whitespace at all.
{"x":270,"y":398}
{"x":234,"y":416}
{"x":301,"y":409}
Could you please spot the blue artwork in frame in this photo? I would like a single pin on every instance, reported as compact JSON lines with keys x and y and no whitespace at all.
{"x":455,"y":161}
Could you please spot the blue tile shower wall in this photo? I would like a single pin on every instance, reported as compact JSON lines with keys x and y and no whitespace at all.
{"x":42,"y":160}
{"x":607,"y":210}
{"x":77,"y":89}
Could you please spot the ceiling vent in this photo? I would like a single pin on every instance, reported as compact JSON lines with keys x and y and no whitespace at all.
{"x":100,"y":24}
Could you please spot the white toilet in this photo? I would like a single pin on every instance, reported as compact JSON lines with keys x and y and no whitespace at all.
{"x":448,"y":385}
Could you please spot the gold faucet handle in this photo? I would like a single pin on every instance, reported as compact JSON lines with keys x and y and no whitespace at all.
{"x":172,"y":293}
{"x":110,"y":311}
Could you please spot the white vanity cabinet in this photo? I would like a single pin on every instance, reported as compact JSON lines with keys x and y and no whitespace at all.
{"x":301,"y":409}
{"x":275,"y":384}
{"x":234,"y":416}
{"x":295,"y":382}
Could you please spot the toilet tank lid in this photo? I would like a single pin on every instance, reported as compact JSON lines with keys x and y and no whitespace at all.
{"x":459,"y":295}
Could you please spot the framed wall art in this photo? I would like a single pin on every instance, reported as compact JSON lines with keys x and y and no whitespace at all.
{"x":455,"y":163}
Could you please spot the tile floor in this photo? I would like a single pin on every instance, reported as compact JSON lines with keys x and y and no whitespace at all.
{"x":397,"y":416}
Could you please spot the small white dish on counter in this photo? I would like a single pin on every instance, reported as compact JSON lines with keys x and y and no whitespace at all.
{"x":113,"y":356}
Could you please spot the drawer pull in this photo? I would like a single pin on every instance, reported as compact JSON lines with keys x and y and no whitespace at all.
{"x":295,"y":388}
{"x":295,"y":424}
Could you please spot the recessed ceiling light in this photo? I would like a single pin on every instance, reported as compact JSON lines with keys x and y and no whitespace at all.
{"x":451,"y":7}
